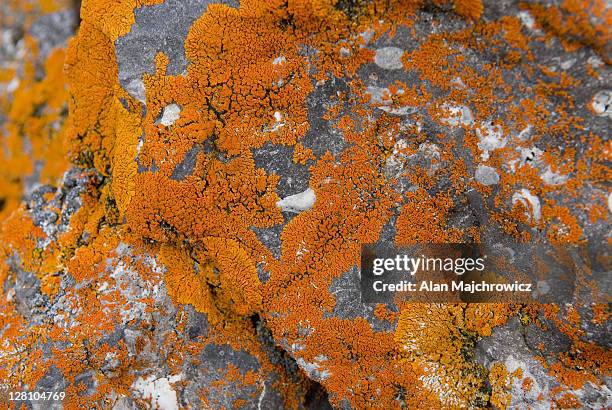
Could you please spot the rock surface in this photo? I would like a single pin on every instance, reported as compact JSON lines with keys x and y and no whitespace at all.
{"x":185,"y":187}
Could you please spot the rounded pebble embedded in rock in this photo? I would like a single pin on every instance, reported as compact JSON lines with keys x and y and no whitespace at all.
{"x":389,"y":58}
{"x":172,"y":112}
{"x":136,"y":89}
{"x":602,"y":103}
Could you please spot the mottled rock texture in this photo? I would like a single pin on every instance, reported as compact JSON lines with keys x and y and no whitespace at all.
{"x":185,"y":187}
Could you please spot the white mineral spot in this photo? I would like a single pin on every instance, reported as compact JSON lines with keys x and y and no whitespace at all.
{"x":524,"y":134}
{"x":140,"y":145}
{"x":402,"y":110}
{"x":298,"y":202}
{"x":279,"y":123}
{"x":529,"y":201}
{"x":136,"y":89}
{"x":602,"y":103}
{"x":378,"y":95}
{"x":123,"y":403}
{"x":552,"y":178}
{"x":486,"y":175}
{"x":389,"y":58}
{"x":295,"y":347}
{"x":261,"y":396}
{"x":533,"y":371}
{"x":458,"y":81}
{"x":458,"y":114}
{"x":159,"y":391}
{"x":367,"y":35}
{"x":530,"y":155}
{"x":172,"y":112}
{"x":10,"y":295}
{"x":313,"y":369}
{"x":394,"y":163}
{"x":13,"y":85}
{"x":279,"y":60}
{"x":610,"y":201}
{"x":527,"y":19}
{"x":429,"y":150}
{"x":566,"y":65}
{"x":344,"y":52}
{"x":595,"y":62}
{"x":491,"y":138}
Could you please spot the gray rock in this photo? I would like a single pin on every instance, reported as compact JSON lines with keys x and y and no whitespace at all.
{"x":158,"y":28}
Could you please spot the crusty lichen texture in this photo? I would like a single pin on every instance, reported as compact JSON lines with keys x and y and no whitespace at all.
{"x":167,"y":259}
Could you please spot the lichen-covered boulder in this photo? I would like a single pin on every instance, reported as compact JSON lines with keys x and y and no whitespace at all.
{"x":185,"y":187}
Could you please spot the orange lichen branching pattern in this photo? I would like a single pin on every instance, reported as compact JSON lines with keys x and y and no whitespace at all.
{"x":437,"y":338}
{"x":353,"y":203}
{"x":423,"y":220}
{"x":96,"y":115}
{"x":219,"y":280}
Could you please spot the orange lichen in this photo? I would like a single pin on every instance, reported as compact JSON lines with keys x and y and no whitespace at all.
{"x":124,"y":166}
{"x":438,"y":339}
{"x":91,"y":127}
{"x":302,"y":155}
{"x":500,"y":385}
{"x":469,"y":8}
{"x":114,"y":18}
{"x":32,"y":139}
{"x":431,"y":337}
{"x":423,"y":220}
{"x":577,"y":21}
{"x":219,"y":280}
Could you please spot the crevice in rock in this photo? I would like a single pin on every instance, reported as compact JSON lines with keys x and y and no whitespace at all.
{"x":316,"y":397}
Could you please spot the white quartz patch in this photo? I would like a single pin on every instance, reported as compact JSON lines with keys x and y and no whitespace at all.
{"x":610,"y":201}
{"x":313,"y":369}
{"x":457,"y":114}
{"x":136,"y":89}
{"x":278,"y":122}
{"x":533,"y":156}
{"x":159,"y":391}
{"x":172,"y":112}
{"x":389,"y":58}
{"x":491,"y":138}
{"x":553,"y":178}
{"x":527,"y":19}
{"x":13,"y":85}
{"x":279,"y":60}
{"x":367,"y":35}
{"x":602,"y":103}
{"x":529,"y":201}
{"x":486,"y":175}
{"x":299,"y":202}
{"x":378,"y":95}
